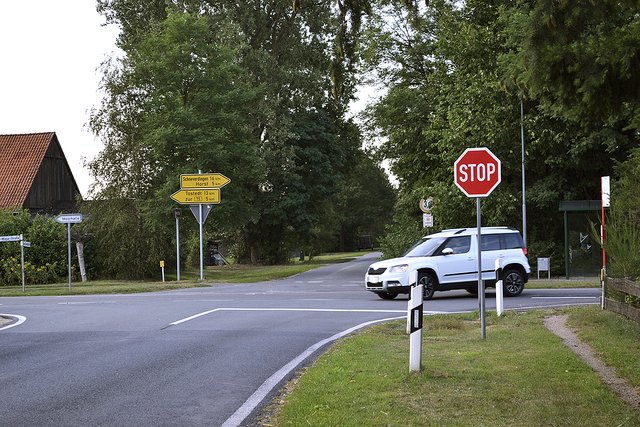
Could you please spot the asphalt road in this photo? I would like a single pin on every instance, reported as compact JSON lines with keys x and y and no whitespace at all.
{"x":204,"y":356}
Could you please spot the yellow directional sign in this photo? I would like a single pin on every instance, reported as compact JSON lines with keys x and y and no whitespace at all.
{"x":196,"y":197}
{"x":204,"y":180}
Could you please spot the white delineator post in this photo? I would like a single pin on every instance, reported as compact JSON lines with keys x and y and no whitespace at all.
{"x":499,"y":289}
{"x":414,"y":322}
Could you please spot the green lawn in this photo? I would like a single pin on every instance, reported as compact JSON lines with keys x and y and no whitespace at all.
{"x":521,"y":375}
{"x":562,"y":283}
{"x":234,"y":273}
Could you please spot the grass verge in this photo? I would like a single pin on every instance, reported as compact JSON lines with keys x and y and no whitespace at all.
{"x":234,"y":273}
{"x":520,"y":375}
{"x":562,"y":283}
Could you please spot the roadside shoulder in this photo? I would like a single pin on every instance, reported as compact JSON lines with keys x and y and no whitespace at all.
{"x":557,"y":325}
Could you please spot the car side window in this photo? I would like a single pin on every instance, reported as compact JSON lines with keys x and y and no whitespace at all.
{"x":490,"y":242}
{"x":459,"y":244}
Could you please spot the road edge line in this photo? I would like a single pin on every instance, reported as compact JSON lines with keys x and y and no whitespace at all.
{"x":270,"y":383}
{"x":19,"y":320}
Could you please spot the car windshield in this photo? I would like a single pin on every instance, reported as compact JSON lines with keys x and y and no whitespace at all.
{"x":425,"y":246}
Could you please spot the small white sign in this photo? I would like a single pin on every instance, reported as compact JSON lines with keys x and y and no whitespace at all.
{"x":543,"y":264}
{"x":427,"y":220}
{"x":69,"y":218}
{"x":605,"y":182}
{"x":26,"y":244}
{"x":10,"y":238}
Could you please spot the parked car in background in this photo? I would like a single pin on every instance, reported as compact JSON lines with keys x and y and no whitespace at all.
{"x":448,"y":260}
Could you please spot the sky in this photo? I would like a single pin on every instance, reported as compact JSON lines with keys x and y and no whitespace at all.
{"x":49,"y":77}
{"x":49,"y":74}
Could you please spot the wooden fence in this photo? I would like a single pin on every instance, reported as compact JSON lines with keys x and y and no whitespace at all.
{"x":623,"y":296}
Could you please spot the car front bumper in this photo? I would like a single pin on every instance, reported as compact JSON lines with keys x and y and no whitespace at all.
{"x":396,"y":283}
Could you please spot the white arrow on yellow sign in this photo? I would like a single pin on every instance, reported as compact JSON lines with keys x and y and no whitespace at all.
{"x":196,"y":197}
{"x":203,"y":180}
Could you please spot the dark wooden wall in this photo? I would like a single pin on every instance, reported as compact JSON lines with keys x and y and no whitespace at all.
{"x":54,"y":189}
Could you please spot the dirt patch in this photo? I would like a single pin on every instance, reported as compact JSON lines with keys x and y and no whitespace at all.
{"x":4,"y":321}
{"x":558,"y":325}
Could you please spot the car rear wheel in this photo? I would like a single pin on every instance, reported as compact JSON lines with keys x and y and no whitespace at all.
{"x":429,"y":283}
{"x":386,"y":295}
{"x":513,"y":283}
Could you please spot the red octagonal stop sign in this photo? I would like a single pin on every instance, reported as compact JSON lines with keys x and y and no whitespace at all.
{"x":477,"y":172}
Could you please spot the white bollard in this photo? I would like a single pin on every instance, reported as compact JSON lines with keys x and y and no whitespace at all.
{"x":413,"y":281}
{"x":499,"y":290}
{"x":414,"y":324}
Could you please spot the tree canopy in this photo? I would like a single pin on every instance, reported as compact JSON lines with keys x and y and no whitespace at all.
{"x":260,"y":91}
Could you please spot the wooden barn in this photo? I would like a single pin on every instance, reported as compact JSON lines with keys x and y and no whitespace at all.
{"x":35,"y":174}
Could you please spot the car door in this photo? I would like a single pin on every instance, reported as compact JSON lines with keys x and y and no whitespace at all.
{"x":491,"y":251}
{"x":456,"y":260}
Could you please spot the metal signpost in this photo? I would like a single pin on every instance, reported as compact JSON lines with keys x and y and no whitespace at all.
{"x":69,"y":219}
{"x":425,"y":207}
{"x":477,"y":172}
{"x":605,"y":196}
{"x":197,"y":190}
{"x":23,"y":244}
{"x":177,"y":213}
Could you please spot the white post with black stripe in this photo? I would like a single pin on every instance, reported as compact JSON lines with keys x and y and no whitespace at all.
{"x":414,"y":323}
{"x":499,"y":289}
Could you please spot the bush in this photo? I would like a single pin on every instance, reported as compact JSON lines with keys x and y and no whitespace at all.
{"x":45,"y":260}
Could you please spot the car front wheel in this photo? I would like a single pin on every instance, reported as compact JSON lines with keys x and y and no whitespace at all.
{"x":512,"y":283}
{"x":429,"y":283}
{"x":387,"y":295}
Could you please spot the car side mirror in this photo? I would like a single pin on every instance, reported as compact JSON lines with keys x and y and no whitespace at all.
{"x":447,"y":251}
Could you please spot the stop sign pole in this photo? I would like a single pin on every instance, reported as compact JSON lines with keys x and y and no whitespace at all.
{"x":477,"y":172}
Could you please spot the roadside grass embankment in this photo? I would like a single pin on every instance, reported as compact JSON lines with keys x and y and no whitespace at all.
{"x":520,"y":375}
{"x":234,"y":273}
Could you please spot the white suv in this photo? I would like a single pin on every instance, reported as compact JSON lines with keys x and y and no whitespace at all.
{"x":448,"y":260}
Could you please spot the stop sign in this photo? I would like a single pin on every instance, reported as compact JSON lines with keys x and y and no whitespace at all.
{"x":477,"y":172}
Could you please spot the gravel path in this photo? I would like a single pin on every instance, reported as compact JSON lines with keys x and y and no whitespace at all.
{"x":558,"y":325}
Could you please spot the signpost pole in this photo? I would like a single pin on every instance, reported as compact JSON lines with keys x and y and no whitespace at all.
{"x":22,"y":262}
{"x":201,"y":256}
{"x":177,"y":215}
{"x":69,"y":250}
{"x":483,"y":317}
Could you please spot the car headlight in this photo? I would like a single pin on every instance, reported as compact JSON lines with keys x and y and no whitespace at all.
{"x":399,"y":268}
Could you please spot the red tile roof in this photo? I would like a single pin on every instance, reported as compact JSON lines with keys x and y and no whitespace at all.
{"x":20,"y":158}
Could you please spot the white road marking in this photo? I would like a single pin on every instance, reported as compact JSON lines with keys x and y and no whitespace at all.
{"x":21,"y":320}
{"x":263,"y":391}
{"x":564,"y":297}
{"x":195,"y":316}
{"x":86,"y":302}
{"x":315,"y":281}
{"x":317,"y":310}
